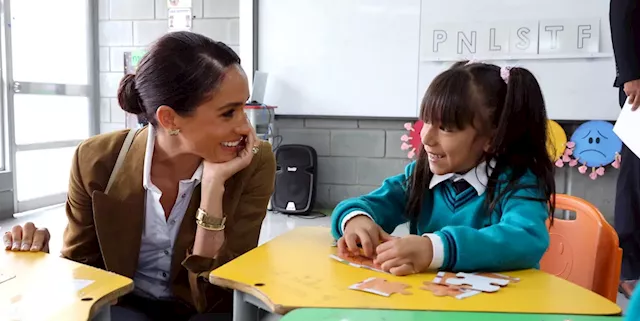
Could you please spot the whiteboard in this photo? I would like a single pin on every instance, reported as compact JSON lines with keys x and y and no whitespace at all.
{"x":367,"y":58}
{"x":340,"y":57}
{"x":574,"y":89}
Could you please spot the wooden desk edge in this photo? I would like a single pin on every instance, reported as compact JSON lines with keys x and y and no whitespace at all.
{"x":251,"y":290}
{"x":282,"y":310}
{"x":109,"y":297}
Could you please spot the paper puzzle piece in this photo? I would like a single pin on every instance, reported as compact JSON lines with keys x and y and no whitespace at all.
{"x":498,"y":276}
{"x":359,"y":261}
{"x":458,"y":292}
{"x":381,"y":287}
{"x":476,"y":282}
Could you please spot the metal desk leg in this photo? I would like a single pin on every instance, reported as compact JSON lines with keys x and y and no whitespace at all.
{"x":243,"y":310}
{"x":104,"y":314}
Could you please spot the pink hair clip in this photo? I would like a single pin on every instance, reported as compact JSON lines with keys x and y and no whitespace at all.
{"x":504,"y":73}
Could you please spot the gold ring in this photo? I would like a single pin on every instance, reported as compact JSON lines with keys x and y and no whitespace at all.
{"x":255,"y":150}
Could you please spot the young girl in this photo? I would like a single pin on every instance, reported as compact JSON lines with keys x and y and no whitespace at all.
{"x":478,"y":195}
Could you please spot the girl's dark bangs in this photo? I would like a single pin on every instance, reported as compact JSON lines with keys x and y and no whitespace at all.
{"x":446,"y":102}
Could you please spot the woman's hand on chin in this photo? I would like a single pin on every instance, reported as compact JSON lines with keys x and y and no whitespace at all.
{"x":214,"y":173}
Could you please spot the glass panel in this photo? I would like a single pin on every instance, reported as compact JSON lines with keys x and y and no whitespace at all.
{"x":49,"y":118}
{"x":49,"y":41}
{"x":43,"y":172}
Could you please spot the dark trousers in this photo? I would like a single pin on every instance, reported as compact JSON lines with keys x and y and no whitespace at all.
{"x":132,"y":307}
{"x":627,"y":210}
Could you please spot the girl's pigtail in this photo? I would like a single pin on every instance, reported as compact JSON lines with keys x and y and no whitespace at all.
{"x":521,"y":135}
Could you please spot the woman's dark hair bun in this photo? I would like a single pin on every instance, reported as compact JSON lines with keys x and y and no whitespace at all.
{"x":128,"y":96}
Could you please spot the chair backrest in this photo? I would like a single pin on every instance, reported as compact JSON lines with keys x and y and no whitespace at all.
{"x":575,"y":243}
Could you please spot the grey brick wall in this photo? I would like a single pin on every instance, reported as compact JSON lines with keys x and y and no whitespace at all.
{"x":127,"y":25}
{"x":355,"y":156}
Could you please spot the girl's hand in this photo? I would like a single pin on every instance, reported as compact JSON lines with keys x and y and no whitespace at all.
{"x":220,"y":172}
{"x":364,"y":231}
{"x":27,"y":238}
{"x":406,"y":255}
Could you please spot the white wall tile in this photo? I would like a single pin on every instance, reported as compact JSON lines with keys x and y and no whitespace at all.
{"x":103,"y":52}
{"x":116,"y":57}
{"x":103,"y":9}
{"x":115,"y":33}
{"x":105,"y":110}
{"x":146,"y":32}
{"x":236,"y":49}
{"x":161,"y":8}
{"x":216,"y":29}
{"x":117,"y":114}
{"x":111,"y":127}
{"x":109,"y":82}
{"x":131,"y":9}
{"x":234,"y":32}
{"x":221,"y":8}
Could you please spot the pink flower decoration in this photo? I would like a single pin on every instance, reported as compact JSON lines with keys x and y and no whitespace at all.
{"x":568,"y":151}
{"x":616,"y":163}
{"x":566,"y":158}
{"x":408,"y":126}
{"x":405,"y":138}
{"x":405,"y":146}
{"x":593,"y":175}
{"x":559,"y":163}
{"x":582,"y":169}
{"x":573,"y":163}
{"x":411,"y":153}
{"x":571,"y":144}
{"x":600,"y":171}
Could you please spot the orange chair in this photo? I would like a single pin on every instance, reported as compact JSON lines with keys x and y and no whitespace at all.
{"x":575,"y":243}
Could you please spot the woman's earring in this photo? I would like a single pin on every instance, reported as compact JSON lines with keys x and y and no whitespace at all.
{"x":174,"y":132}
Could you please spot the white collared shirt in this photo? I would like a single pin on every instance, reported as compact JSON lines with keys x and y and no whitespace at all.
{"x":159,"y":235}
{"x":478,"y":178}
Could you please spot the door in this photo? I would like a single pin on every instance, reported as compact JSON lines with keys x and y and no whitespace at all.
{"x":50,"y":96}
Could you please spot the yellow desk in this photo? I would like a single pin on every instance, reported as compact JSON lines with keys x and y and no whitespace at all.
{"x":294,"y":271}
{"x":47,"y":287}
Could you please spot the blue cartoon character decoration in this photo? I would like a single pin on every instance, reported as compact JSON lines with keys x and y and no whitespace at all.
{"x":594,"y":145}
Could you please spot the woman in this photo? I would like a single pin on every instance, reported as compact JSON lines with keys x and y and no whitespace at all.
{"x":191,"y":191}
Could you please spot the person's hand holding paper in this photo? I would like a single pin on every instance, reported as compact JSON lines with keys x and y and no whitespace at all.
{"x":632,"y":89}
{"x":627,"y":126}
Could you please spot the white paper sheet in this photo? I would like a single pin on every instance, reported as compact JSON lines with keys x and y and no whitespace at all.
{"x":627,"y":128}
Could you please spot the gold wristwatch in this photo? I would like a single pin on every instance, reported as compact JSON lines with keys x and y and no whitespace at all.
{"x":209,"y":222}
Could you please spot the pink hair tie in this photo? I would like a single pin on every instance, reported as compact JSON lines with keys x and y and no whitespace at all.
{"x":504,"y":73}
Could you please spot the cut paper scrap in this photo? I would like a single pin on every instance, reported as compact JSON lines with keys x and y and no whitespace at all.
{"x":473,"y":281}
{"x":458,"y":292}
{"x":359,"y":261}
{"x":79,"y":284}
{"x":4,"y":277}
{"x":381,"y":287}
